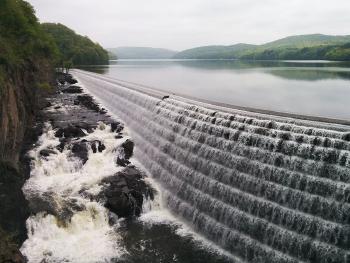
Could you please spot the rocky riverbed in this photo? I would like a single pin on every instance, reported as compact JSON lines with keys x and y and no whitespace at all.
{"x":80,"y":162}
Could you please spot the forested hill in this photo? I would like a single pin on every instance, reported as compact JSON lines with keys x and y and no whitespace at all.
{"x":80,"y":50}
{"x":213,"y":52}
{"x":315,"y":46}
{"x":142,"y":53}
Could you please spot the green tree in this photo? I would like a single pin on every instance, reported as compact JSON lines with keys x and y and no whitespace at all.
{"x":79,"y":50}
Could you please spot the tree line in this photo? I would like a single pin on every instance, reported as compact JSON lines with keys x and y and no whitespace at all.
{"x":23,"y":41}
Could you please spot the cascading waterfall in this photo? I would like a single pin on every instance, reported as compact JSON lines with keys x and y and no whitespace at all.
{"x":264,"y":189}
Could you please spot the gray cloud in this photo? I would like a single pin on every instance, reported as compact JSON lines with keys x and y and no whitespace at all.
{"x":188,"y":23}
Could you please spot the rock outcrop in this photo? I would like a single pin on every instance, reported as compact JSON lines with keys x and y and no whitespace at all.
{"x":124,"y":192}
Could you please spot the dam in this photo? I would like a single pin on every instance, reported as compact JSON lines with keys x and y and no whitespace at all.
{"x":263,"y":187}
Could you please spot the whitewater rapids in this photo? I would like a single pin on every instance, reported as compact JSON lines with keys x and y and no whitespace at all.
{"x":87,"y":236}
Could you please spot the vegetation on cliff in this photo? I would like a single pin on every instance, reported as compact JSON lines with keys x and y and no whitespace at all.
{"x":304,"y":47}
{"x":22,"y":40}
{"x":27,"y":54}
{"x":74,"y":48}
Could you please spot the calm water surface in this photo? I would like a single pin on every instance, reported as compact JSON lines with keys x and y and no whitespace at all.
{"x":318,"y":88}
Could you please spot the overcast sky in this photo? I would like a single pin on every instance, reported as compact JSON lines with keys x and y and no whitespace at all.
{"x":181,"y":24}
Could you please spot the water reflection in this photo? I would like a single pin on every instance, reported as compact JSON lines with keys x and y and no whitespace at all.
{"x":318,"y":88}
{"x":293,"y":70}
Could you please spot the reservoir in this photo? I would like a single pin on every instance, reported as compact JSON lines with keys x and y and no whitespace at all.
{"x":314,"y":88}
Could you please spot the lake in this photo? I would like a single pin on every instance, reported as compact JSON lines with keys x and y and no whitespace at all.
{"x":315,"y":88}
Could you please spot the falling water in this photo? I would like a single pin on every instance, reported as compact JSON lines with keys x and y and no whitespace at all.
{"x":265,"y":189}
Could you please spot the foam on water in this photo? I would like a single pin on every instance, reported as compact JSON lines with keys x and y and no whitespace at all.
{"x":86,"y":238}
{"x":64,"y":183}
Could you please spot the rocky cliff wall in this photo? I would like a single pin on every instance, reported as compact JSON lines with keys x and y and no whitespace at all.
{"x":21,"y":95}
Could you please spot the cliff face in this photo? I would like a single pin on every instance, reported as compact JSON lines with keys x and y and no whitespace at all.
{"x":20,"y":97}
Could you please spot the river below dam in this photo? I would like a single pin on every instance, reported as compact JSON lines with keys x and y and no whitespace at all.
{"x":316,"y":88}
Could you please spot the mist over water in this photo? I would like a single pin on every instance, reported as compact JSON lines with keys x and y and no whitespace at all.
{"x":317,"y":88}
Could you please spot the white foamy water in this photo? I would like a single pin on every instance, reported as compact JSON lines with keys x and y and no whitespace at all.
{"x":64,"y":183}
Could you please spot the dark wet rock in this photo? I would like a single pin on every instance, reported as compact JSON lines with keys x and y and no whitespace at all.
{"x":85,"y":126}
{"x":9,"y":252}
{"x":116,"y":127}
{"x":70,"y":132}
{"x":73,"y":89}
{"x":124,"y":192}
{"x":97,"y":146}
{"x":122,"y":162}
{"x":88,"y":102}
{"x":165,"y":97}
{"x":13,"y":205}
{"x":71,"y":80}
{"x":63,"y":142}
{"x":47,"y":152}
{"x":128,"y":147}
{"x":80,"y":150}
{"x":118,"y":136}
{"x":57,"y":107}
{"x":63,"y":78}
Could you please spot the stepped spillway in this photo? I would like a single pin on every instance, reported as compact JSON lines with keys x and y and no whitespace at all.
{"x":264,"y":188}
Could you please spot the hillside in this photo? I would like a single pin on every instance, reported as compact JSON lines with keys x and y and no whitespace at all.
{"x":80,"y":50}
{"x":213,"y":52}
{"x":142,"y":53}
{"x":302,"y":41}
{"x":316,"y":46}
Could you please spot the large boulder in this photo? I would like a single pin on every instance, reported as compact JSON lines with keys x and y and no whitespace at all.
{"x":70,"y":132}
{"x":73,"y":89}
{"x":116,"y":127}
{"x":124,"y":192}
{"x":80,"y":149}
{"x":128,"y":148}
